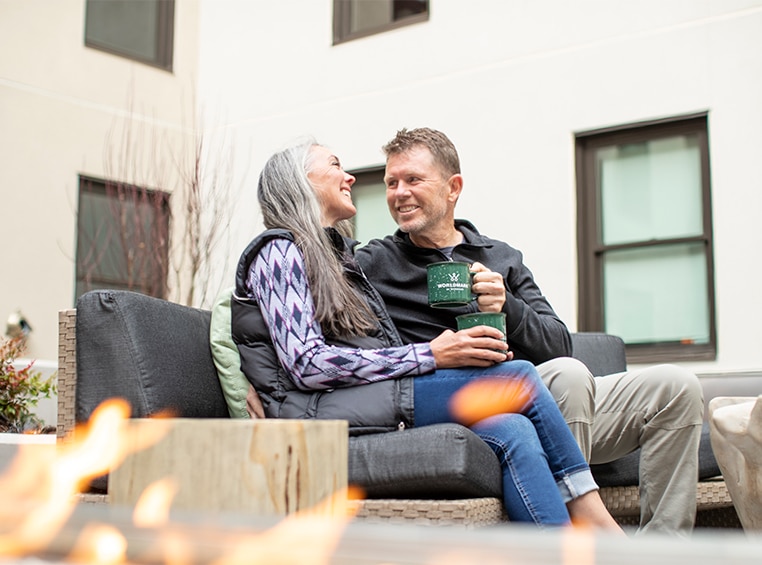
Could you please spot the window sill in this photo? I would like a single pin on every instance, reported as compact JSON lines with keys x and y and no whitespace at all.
{"x":670,"y":353}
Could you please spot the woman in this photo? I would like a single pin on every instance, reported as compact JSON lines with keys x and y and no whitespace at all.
{"x":316,"y":342}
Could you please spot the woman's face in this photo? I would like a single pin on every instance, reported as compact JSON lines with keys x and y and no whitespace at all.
{"x":332,"y":185}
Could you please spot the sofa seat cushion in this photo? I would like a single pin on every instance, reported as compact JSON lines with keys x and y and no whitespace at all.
{"x":438,"y":461}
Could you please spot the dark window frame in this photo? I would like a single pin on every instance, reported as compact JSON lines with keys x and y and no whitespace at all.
{"x":342,"y":18}
{"x":165,"y":32}
{"x":590,"y":250}
{"x":87,"y":276}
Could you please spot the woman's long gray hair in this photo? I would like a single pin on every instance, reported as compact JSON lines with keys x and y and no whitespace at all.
{"x":288,"y":201}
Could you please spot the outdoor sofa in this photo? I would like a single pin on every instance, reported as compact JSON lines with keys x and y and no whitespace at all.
{"x":156,"y":354}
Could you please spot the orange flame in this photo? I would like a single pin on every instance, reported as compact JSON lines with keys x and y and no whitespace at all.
{"x":307,"y":536}
{"x":578,"y":545}
{"x":175,"y":548}
{"x":487,"y":397}
{"x":152,"y":508}
{"x":39,"y":496}
{"x":44,"y":483}
{"x":101,"y":544}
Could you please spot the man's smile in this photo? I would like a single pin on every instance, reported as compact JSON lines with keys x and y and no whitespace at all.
{"x":408,"y":208}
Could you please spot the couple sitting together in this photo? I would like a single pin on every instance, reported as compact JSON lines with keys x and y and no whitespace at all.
{"x":325,"y":330}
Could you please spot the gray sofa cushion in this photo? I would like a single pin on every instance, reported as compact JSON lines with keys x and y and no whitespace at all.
{"x":151,"y":352}
{"x":603,"y":354}
{"x":438,"y":461}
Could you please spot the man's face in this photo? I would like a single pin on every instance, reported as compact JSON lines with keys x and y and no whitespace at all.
{"x":421,"y":198}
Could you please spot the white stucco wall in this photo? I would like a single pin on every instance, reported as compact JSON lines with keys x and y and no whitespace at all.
{"x":59,"y":103}
{"x":510,"y":83}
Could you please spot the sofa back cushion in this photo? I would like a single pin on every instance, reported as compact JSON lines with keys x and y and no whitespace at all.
{"x":151,"y":352}
{"x":242,"y":399}
{"x":603,"y":354}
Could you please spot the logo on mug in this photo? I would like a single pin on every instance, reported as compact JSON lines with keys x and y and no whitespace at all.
{"x":449,"y":284}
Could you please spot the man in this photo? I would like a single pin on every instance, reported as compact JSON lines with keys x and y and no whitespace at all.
{"x":658,"y":409}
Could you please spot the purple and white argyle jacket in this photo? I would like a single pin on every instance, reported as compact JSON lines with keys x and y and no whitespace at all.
{"x":278,"y":281}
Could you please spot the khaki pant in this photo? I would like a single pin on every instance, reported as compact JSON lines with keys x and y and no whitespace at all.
{"x":658,"y":409}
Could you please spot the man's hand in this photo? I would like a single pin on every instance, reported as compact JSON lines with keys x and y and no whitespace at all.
{"x":489,"y":288}
{"x":473,"y":347}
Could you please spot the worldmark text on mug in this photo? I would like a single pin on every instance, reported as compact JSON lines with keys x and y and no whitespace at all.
{"x":449,"y":284}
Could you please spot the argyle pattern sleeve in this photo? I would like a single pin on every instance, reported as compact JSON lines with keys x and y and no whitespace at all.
{"x":277,"y":280}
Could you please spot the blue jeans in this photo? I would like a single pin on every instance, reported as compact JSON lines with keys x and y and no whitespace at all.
{"x":543,"y":468}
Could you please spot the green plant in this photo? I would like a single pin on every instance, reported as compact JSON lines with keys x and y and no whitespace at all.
{"x":20,"y":389}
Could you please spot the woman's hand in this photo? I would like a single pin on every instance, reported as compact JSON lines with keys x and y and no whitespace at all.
{"x":489,"y":288}
{"x":473,"y":347}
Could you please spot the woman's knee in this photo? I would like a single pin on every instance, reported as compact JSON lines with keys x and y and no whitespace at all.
{"x":519,"y":368}
{"x":523,"y":371}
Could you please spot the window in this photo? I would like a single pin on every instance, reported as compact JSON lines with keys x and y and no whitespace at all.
{"x":142,"y":30}
{"x":122,"y":238}
{"x":360,"y":18}
{"x":645,"y":238}
{"x":373,"y":219}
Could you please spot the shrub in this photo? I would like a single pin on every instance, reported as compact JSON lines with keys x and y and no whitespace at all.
{"x":20,"y":389}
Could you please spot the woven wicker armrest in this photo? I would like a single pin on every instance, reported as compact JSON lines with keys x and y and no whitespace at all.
{"x":67,"y":372}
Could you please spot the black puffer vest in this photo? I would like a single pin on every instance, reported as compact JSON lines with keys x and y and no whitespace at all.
{"x":369,"y":408}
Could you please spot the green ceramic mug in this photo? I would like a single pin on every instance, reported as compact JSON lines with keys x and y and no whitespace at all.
{"x":449,"y":284}
{"x":492,"y":319}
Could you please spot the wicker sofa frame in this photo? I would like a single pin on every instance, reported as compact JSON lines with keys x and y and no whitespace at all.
{"x":714,"y":506}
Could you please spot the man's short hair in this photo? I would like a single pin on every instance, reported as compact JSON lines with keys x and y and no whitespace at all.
{"x":440,"y":146}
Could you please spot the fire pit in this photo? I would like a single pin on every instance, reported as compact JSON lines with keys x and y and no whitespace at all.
{"x":230,"y":539}
{"x":39,"y":519}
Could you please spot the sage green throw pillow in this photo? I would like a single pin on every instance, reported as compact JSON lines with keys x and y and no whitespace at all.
{"x":241,"y":398}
